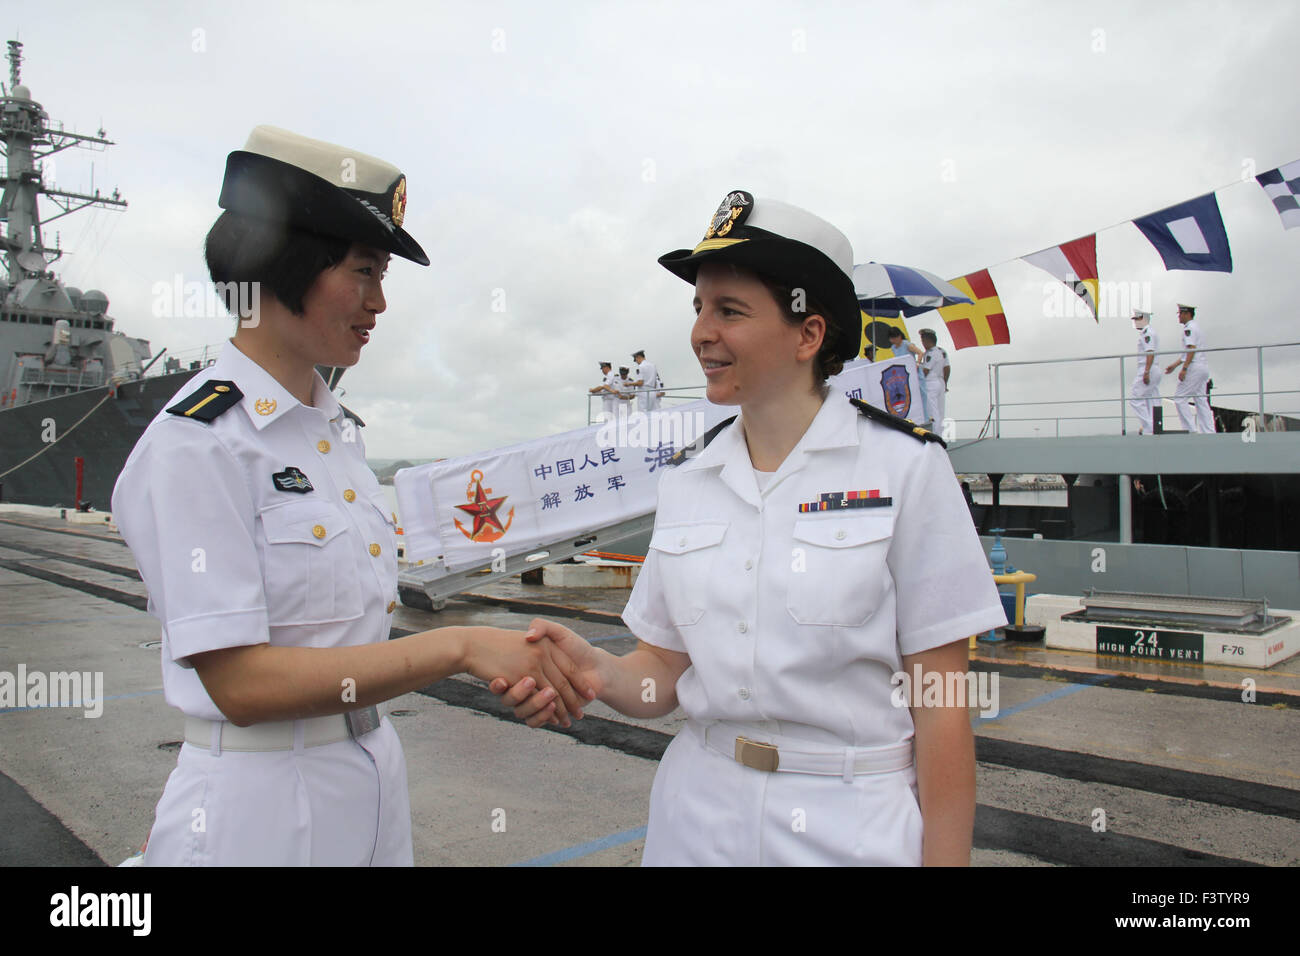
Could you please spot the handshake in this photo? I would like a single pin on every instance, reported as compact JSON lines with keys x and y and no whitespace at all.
{"x":547,"y":678}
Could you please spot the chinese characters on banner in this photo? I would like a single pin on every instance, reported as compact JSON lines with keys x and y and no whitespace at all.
{"x":525,"y":496}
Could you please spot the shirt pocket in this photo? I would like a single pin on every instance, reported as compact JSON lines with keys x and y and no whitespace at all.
{"x":310,"y":565}
{"x":686,"y":555}
{"x":839,"y":578}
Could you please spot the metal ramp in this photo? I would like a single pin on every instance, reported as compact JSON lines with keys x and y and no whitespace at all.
{"x":1230,"y":615}
{"x":429,"y":586}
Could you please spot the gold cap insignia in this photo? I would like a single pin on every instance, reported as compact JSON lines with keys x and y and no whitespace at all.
{"x":264,"y":406}
{"x":399,"y":202}
{"x":731,"y":212}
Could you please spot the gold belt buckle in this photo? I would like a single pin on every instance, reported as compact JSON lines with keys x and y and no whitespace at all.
{"x":755,"y":755}
{"x":362,"y":721}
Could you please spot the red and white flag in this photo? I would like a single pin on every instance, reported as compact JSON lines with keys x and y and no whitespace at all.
{"x":1075,"y":264}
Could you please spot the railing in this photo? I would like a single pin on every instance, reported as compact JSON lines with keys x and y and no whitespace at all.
{"x":71,"y":378}
{"x":204,"y":355}
{"x":1272,"y":401}
{"x":687,"y":393}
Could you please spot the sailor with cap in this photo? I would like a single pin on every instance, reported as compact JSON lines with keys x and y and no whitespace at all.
{"x":1193,"y":377}
{"x":792,"y":572}
{"x":608,"y":391}
{"x":934,"y":379}
{"x":1145,"y":391}
{"x":645,"y":377}
{"x":267,"y":545}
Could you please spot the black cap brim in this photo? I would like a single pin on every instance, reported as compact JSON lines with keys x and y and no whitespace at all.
{"x":260,"y":187}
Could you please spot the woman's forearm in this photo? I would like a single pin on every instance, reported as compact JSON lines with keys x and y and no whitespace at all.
{"x":945,"y":780}
{"x":262,"y":682}
{"x":641,"y":683}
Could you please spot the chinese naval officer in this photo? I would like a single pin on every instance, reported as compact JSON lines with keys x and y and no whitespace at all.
{"x":268,"y":548}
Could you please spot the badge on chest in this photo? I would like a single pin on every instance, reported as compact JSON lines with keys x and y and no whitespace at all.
{"x":292,"y":479}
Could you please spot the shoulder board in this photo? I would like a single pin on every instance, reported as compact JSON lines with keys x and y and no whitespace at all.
{"x":893,"y":421}
{"x":208,"y":402}
{"x":701,"y":443}
{"x":352,"y":415}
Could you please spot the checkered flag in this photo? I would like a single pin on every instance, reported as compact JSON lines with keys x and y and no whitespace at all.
{"x":1283,"y":186}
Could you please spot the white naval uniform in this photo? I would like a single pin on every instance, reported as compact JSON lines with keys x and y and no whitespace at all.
{"x":609,"y":401}
{"x":1191,"y":390}
{"x":231,"y":559}
{"x":795,"y":624}
{"x":933,"y":386}
{"x":1142,"y":396}
{"x":647,"y":400}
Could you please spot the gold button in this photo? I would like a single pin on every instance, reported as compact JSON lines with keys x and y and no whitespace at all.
{"x":319,"y":531}
{"x":394,"y":514}
{"x":221,"y":388}
{"x":391,"y":605}
{"x":374,"y":548}
{"x":323,"y":447}
{"x":349,"y":495}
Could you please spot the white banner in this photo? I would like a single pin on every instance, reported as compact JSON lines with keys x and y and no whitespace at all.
{"x":518,"y":499}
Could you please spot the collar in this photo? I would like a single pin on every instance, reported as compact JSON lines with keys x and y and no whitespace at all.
{"x":834,"y":426}
{"x":265,"y":399}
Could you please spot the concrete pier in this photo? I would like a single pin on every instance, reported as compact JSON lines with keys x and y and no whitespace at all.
{"x":1169,"y":758}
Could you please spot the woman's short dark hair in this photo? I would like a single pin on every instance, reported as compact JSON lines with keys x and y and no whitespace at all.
{"x":284,"y":261}
{"x":827,"y":362}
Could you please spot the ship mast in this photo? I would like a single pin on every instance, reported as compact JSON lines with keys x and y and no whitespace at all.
{"x":27,"y":138}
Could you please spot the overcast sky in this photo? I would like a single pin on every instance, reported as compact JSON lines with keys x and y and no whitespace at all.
{"x":554,"y":151}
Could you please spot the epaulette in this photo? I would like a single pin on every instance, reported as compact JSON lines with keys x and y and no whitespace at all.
{"x":208,"y":402}
{"x":352,"y":415}
{"x":701,"y":443}
{"x":893,"y":421}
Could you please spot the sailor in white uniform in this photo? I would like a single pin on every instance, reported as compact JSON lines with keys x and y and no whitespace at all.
{"x":608,"y":391}
{"x":934,"y":379}
{"x":267,"y":545}
{"x":1191,"y":397}
{"x":1145,"y":391}
{"x":811,"y":552}
{"x":646,"y":378}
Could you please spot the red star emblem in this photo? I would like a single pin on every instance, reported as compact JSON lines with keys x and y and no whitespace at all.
{"x":487,"y":524}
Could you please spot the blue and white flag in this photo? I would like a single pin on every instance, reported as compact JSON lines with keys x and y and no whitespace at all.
{"x":1189,"y":235}
{"x":1283,"y":186}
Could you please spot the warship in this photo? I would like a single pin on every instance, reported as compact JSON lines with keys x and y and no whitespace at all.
{"x":74,"y":394}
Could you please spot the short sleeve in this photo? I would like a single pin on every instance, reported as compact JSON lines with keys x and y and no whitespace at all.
{"x":646,"y":614}
{"x":183,"y":507}
{"x":943,"y":586}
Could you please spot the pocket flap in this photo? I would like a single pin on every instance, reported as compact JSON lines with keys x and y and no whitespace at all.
{"x":380,"y":502}
{"x":678,"y":539}
{"x":303,"y":522}
{"x":845,"y":532}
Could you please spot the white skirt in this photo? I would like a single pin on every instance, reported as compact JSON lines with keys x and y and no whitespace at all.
{"x":708,"y":810}
{"x":341,"y":804}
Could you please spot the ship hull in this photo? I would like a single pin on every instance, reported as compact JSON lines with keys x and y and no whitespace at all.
{"x":103,"y":440}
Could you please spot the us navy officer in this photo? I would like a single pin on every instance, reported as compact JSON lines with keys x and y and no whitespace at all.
{"x":791,"y":576}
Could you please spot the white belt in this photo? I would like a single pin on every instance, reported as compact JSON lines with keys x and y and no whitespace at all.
{"x":774,"y":753}
{"x":219,"y":735}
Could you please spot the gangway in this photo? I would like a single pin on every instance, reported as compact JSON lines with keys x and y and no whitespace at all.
{"x":491,"y":515}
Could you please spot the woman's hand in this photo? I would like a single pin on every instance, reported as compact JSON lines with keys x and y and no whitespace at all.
{"x":538,"y":707}
{"x":492,"y":652}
